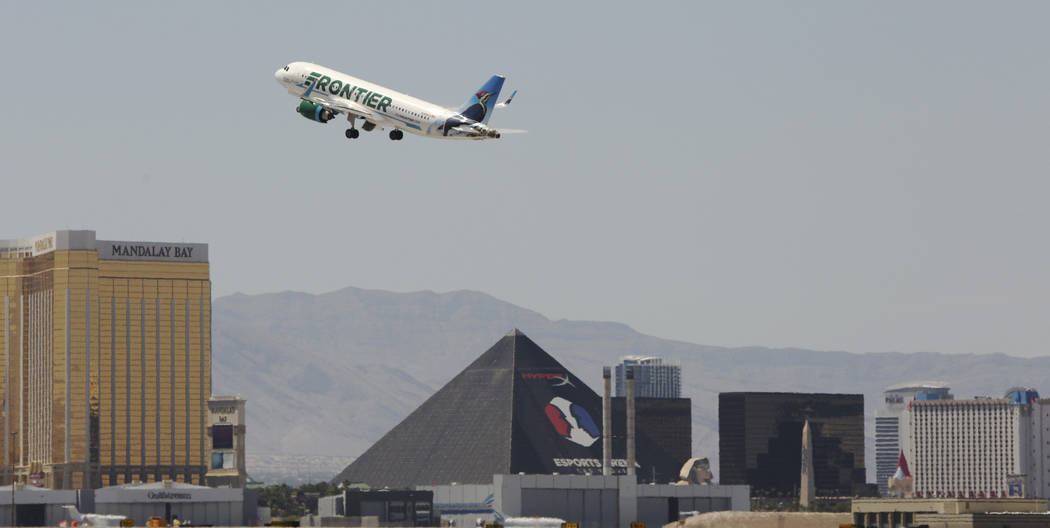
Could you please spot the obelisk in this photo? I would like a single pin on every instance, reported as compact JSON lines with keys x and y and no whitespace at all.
{"x":606,"y":422}
{"x":807,"y":489}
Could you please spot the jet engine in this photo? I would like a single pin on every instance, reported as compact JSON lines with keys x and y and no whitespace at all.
{"x":314,"y":111}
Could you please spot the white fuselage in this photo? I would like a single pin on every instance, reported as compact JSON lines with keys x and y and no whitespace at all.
{"x":382,"y":106}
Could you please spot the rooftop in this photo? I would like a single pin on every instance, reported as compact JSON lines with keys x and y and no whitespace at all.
{"x":67,"y":239}
{"x":949,"y":505}
{"x":917,"y":385}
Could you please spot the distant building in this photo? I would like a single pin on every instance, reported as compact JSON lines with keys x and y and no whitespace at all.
{"x":983,"y":447}
{"x":760,"y":441}
{"x":106,"y":362}
{"x":954,"y":513}
{"x":590,"y":501}
{"x":515,"y":409}
{"x":653,"y":377}
{"x":226,"y":428}
{"x":137,"y":502}
{"x":667,"y":422}
{"x":384,"y":507}
{"x":891,"y":425}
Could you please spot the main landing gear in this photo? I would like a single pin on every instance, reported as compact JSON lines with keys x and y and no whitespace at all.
{"x":396,"y":134}
{"x":351,"y":133}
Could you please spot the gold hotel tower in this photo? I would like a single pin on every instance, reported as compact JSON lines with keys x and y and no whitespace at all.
{"x":106,"y":360}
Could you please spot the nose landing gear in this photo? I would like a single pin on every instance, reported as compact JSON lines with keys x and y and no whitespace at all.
{"x":396,"y":134}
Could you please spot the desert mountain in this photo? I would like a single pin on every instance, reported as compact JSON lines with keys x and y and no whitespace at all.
{"x":327,"y":375}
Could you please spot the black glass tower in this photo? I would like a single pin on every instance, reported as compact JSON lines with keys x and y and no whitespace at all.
{"x":760,"y":441}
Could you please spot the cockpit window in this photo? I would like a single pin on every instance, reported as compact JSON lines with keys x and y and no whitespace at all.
{"x":285,"y":68}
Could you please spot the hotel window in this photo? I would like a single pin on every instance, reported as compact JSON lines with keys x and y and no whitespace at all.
{"x":396,"y":511}
{"x":222,"y":437}
{"x":222,"y":461}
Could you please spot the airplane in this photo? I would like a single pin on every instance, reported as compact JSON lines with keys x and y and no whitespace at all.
{"x":325,"y":93}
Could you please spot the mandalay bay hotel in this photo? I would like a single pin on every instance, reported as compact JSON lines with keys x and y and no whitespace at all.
{"x":106,"y":360}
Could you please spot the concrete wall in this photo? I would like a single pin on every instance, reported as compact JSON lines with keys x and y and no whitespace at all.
{"x":339,"y":520}
{"x":36,"y":496}
{"x":590,"y":508}
{"x":330,"y":506}
{"x":30,"y":502}
{"x":596,"y":501}
{"x":52,"y":514}
{"x":948,"y":505}
{"x":737,"y":519}
{"x":983,"y":520}
{"x":221,"y":507}
{"x":218,"y":506}
{"x":592,"y":501}
{"x":464,"y":503}
{"x":217,"y":513}
{"x":704,"y":498}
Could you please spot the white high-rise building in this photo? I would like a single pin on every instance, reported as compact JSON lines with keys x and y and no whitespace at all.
{"x":891,"y":425}
{"x":653,"y":377}
{"x":984,"y":447}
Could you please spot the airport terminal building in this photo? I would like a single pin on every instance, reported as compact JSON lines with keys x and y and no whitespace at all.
{"x":138,"y":502}
{"x":106,"y":367}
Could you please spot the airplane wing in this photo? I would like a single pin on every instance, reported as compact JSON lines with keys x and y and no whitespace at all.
{"x":341,"y":106}
{"x":512,"y":131}
{"x":350,"y":107}
{"x":362,"y":111}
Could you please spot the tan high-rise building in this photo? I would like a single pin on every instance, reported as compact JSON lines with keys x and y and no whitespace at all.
{"x":106,"y":360}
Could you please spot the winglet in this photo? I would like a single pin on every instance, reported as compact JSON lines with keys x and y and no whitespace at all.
{"x":507,"y":102}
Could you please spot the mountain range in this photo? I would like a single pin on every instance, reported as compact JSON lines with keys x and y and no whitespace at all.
{"x":327,"y":375}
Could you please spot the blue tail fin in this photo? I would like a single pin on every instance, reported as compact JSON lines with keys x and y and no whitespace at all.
{"x":479,"y":106}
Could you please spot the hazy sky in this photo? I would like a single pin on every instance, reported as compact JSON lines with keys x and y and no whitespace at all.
{"x":832,"y":175}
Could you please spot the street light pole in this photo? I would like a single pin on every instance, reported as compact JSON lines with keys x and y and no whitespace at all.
{"x":14,"y":442}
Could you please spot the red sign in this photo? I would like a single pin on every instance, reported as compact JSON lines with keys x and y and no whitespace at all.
{"x":562,"y":379}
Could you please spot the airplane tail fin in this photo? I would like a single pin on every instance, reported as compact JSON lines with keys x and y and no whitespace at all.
{"x":479,"y":106}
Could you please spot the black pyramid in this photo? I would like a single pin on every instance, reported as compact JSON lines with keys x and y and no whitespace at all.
{"x":514,"y":409}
